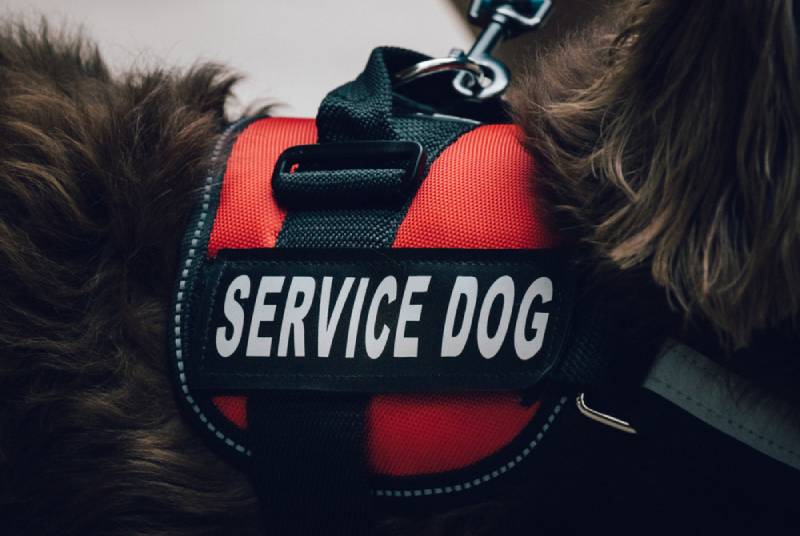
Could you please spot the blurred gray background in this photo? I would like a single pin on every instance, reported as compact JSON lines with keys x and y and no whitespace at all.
{"x":290,"y":51}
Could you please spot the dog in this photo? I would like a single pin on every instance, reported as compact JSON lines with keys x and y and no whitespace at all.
{"x":666,"y":141}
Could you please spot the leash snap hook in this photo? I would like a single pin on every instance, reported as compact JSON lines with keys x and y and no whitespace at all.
{"x":480,"y":75}
{"x":502,"y":20}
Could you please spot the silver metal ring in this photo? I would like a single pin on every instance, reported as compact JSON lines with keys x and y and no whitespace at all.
{"x":437,"y":65}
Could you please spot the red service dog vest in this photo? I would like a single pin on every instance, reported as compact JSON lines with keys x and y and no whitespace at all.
{"x":377,"y":288}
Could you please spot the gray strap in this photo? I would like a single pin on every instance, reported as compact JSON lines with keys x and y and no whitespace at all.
{"x":726,"y":402}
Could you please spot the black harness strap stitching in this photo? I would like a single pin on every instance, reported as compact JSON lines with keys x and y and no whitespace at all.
{"x":194,"y":241}
{"x":279,"y":445}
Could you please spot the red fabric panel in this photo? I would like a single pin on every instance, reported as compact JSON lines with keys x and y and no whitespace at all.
{"x":424,"y":434}
{"x":234,"y":408}
{"x":478,"y":194}
{"x":248,"y":216}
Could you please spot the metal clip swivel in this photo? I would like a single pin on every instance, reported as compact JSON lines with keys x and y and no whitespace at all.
{"x":480,"y":75}
{"x":503,"y":20}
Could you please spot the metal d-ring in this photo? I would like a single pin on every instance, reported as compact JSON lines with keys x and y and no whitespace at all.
{"x":457,"y":62}
{"x":603,"y":418}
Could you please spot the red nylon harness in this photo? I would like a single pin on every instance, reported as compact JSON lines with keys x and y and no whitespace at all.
{"x":478,"y":194}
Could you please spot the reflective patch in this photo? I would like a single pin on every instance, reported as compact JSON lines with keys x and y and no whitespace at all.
{"x":394,"y":320}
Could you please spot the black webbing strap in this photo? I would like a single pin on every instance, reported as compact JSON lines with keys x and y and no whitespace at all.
{"x":309,"y":465}
{"x":365,"y":110}
{"x":308,"y":448}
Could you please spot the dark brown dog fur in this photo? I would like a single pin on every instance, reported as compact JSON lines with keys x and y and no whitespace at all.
{"x":669,"y":142}
{"x":670,"y":147}
{"x":96,"y":181}
{"x":97,"y":177}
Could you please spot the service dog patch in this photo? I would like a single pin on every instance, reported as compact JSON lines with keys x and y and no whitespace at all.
{"x":380,"y":320}
{"x":443,"y":314}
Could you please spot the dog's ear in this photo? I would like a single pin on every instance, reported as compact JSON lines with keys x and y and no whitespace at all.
{"x":676,"y":146}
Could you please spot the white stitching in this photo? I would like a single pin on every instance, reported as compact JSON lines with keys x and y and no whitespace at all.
{"x":726,"y":419}
{"x":179,"y":299}
{"x":491,"y":475}
{"x":240,"y":448}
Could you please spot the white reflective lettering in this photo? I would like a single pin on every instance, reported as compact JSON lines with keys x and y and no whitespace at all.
{"x":294,"y":315}
{"x":503,"y":288}
{"x":355,"y":317}
{"x":234,"y":313}
{"x":527,"y":348}
{"x":258,"y":346}
{"x":453,"y":344}
{"x":327,"y":324}
{"x":409,"y":312}
{"x":375,"y":345}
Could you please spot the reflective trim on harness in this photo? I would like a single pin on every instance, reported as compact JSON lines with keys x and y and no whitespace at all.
{"x":725,"y":402}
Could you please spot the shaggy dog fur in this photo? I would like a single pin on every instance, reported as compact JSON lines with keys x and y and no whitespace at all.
{"x":670,"y":142}
{"x":667,"y":140}
{"x":96,"y":181}
{"x":638,"y":148}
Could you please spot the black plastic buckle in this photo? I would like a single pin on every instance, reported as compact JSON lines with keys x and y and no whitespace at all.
{"x":348,"y":175}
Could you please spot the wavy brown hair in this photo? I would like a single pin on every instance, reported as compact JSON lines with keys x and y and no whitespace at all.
{"x":670,"y":144}
{"x":669,"y":141}
{"x":96,"y":181}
